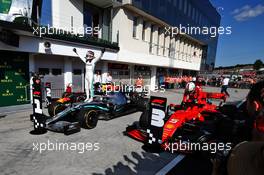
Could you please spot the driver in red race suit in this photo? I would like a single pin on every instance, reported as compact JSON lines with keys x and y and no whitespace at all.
{"x":193,"y":93}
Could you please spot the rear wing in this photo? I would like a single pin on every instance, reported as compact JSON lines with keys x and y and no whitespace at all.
{"x":156,"y":115}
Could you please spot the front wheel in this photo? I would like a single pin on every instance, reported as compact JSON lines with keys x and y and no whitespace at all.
{"x":88,"y":118}
{"x":144,"y":119}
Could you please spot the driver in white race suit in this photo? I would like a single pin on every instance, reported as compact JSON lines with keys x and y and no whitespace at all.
{"x":90,"y":62}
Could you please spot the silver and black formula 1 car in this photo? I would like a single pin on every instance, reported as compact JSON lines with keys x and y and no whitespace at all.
{"x":87,"y":114}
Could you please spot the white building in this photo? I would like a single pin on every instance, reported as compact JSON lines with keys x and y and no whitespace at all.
{"x":143,"y":46}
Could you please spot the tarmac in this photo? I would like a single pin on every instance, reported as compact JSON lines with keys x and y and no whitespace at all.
{"x":110,"y":152}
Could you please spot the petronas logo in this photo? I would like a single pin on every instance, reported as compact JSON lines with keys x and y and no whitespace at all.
{"x":20,"y":84}
{"x":7,"y":91}
{"x":21,"y":96}
{"x":6,"y":77}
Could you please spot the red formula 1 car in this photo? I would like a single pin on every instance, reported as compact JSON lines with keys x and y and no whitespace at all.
{"x":193,"y":121}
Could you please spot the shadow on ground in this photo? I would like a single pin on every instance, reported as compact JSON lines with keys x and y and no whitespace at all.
{"x":140,"y":164}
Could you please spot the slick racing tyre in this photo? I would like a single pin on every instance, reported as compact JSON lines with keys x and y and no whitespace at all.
{"x":51,"y":108}
{"x":144,"y":119}
{"x":55,"y":107}
{"x":58,"y":108}
{"x":88,"y":118}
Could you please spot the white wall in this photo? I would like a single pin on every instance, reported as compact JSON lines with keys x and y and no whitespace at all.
{"x":136,"y":51}
{"x":64,"y":10}
{"x":36,"y":45}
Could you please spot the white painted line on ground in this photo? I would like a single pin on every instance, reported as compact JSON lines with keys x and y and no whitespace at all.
{"x":171,"y":165}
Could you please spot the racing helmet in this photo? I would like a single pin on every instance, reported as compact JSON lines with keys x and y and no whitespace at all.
{"x":190,"y":87}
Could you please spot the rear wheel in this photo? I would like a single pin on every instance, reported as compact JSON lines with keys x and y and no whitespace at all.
{"x":57,"y":109}
{"x":88,"y":118}
{"x":51,"y":108}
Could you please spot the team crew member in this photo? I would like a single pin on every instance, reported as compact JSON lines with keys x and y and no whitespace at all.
{"x":139,"y":81}
{"x":97,"y":78}
{"x":139,"y":84}
{"x":69,"y":88}
{"x":108,"y":78}
{"x":225,"y":83}
{"x":90,"y":62}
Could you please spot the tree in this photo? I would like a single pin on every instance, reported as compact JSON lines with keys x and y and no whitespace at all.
{"x":258,"y":64}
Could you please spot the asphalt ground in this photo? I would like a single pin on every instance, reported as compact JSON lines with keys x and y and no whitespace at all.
{"x":109,"y":152}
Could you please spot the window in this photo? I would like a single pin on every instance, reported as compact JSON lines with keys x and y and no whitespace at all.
{"x":144,"y":31}
{"x":200,"y":19}
{"x":56,"y":71}
{"x":46,"y":13}
{"x":77,"y":72}
{"x":190,"y":11}
{"x":197,"y":17}
{"x":151,"y":38}
{"x":151,"y":33}
{"x":172,"y":47}
{"x":158,"y":40}
{"x":180,"y":4}
{"x":91,"y":18}
{"x":43,"y":71}
{"x":193,"y":14}
{"x":174,"y":3}
{"x":135,"y":23}
{"x":185,"y":7}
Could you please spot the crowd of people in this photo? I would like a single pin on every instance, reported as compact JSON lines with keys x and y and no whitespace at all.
{"x":245,"y":82}
{"x":170,"y":82}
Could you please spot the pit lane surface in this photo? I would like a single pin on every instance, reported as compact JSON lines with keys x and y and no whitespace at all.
{"x":118,"y":154}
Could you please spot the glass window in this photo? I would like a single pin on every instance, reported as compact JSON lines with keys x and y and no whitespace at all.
{"x":56,"y":71}
{"x":185,"y":7}
{"x":135,"y":23}
{"x":200,"y":19}
{"x":91,"y":16}
{"x":151,"y":38}
{"x":46,"y":13}
{"x":180,"y":4}
{"x":190,"y":10}
{"x":175,"y":3}
{"x":193,"y":14}
{"x":151,"y":33}
{"x":144,"y":31}
{"x":77,"y":72}
{"x":197,"y":17}
{"x":159,"y":42}
{"x":43,"y":71}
